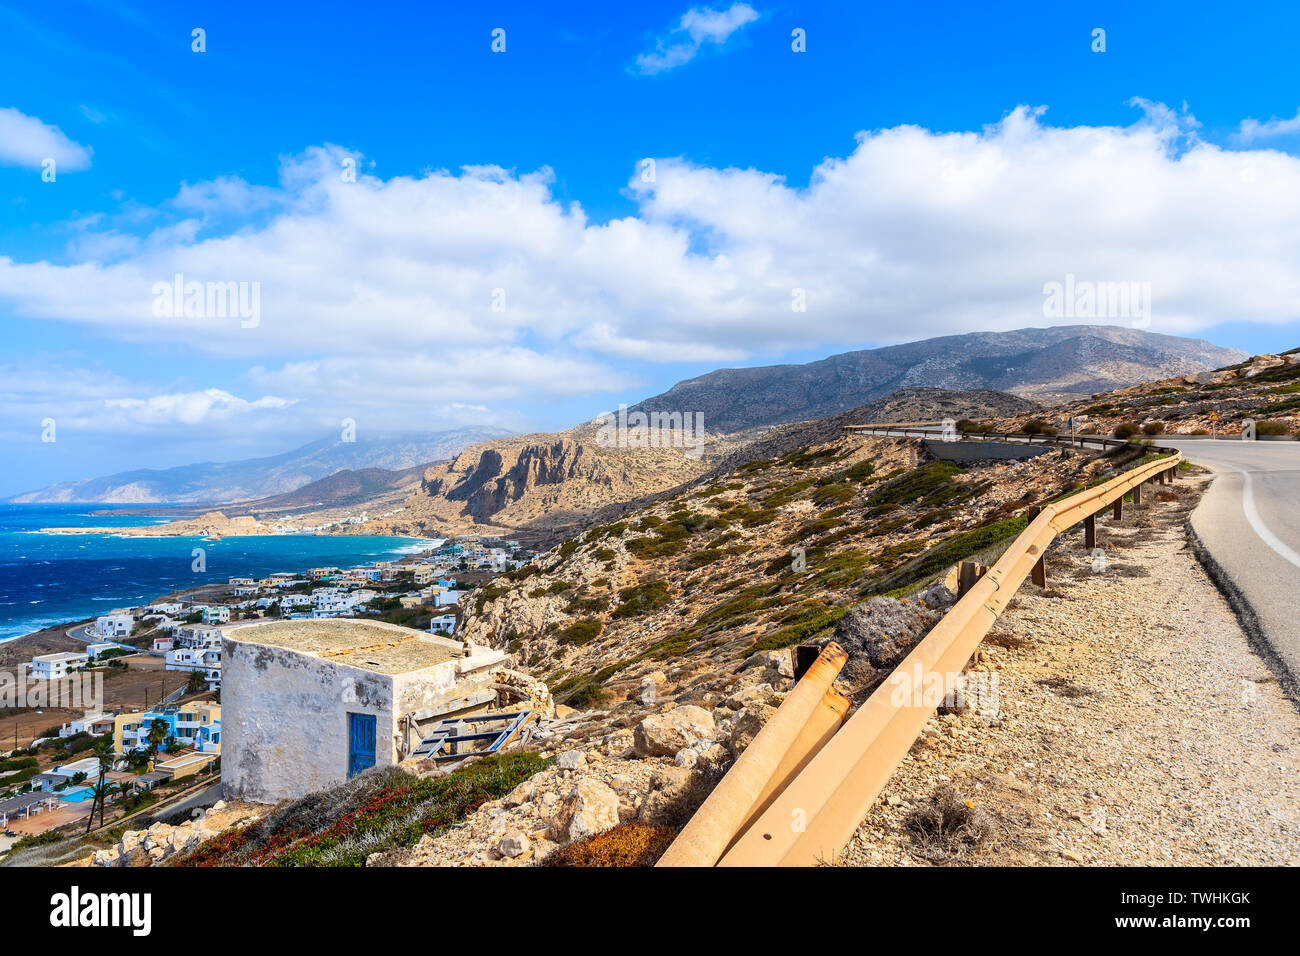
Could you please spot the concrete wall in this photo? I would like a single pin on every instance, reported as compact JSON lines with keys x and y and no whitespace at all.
{"x":284,"y":728}
{"x":985,"y":450}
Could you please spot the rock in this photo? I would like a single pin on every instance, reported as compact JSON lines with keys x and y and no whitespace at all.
{"x":667,"y":787}
{"x":686,"y":757}
{"x":514,"y":844}
{"x":741,"y":698}
{"x":662,"y":735}
{"x":937,"y":597}
{"x":778,"y":663}
{"x":711,"y":756}
{"x":883,"y":630}
{"x":571,"y":760}
{"x":648,"y":692}
{"x":110,"y":857}
{"x":219,"y":805}
{"x":590,"y":808}
{"x":746,"y":725}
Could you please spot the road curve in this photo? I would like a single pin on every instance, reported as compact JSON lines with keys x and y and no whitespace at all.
{"x":1249,"y":522}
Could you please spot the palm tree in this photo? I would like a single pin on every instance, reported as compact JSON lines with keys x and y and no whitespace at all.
{"x":197,"y":682}
{"x":104,"y":751}
{"x":159,"y":733}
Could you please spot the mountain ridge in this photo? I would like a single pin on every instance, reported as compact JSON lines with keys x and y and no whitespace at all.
{"x":1044,"y":364}
{"x":252,"y":479}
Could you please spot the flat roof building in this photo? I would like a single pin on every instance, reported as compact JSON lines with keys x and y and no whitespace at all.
{"x":310,"y":703}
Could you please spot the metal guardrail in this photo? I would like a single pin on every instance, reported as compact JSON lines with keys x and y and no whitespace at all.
{"x":755,"y":819}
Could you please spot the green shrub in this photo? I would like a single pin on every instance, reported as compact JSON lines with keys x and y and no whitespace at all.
{"x":1153,"y":428}
{"x":1126,"y":430}
{"x":803,"y":627}
{"x":642,"y":599}
{"x":581,"y":632}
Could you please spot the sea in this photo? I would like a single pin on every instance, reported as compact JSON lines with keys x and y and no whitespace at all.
{"x":48,"y":579}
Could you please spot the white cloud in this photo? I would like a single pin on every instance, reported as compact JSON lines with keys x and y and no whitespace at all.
{"x":93,"y":401}
{"x":190,"y":408}
{"x":398,"y":295}
{"x":1252,"y":130}
{"x":698,"y":26}
{"x":26,"y":141}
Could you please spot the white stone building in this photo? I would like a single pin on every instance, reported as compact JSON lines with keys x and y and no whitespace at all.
{"x":56,"y":666}
{"x":309,"y":703}
{"x":114,"y":624}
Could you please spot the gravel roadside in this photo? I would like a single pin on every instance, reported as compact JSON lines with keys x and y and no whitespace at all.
{"x":1134,"y":724}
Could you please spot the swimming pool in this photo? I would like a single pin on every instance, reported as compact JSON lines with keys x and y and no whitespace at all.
{"x":80,"y":795}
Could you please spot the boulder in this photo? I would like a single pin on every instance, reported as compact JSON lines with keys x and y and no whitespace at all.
{"x":514,"y":844}
{"x":590,"y":808}
{"x":711,"y":756}
{"x":571,"y":760}
{"x":740,"y":698}
{"x":746,"y":725}
{"x":883,"y":630}
{"x":662,"y":735}
{"x":778,"y":664}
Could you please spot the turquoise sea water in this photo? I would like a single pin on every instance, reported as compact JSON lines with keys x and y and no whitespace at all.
{"x":46,"y":579}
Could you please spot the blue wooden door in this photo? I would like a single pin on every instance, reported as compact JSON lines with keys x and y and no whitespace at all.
{"x":361,"y":743}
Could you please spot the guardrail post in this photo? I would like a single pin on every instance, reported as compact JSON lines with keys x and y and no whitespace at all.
{"x":967,"y":575}
{"x":805,"y":655}
{"x":1137,"y":493}
{"x":1039,"y":573}
{"x":1090,"y":532}
{"x":1119,"y":508}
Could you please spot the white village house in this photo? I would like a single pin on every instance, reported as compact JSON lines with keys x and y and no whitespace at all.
{"x":117,"y":623}
{"x":56,"y":666}
{"x":309,"y":703}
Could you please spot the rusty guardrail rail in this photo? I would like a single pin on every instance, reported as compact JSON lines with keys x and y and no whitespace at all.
{"x":755,"y":818}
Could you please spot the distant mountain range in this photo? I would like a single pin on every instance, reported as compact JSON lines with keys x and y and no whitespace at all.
{"x":1048,"y":365}
{"x":278,"y":475}
{"x":521,"y":478}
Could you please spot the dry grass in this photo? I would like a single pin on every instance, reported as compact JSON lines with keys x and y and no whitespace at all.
{"x":628,"y":844}
{"x":950,"y":828}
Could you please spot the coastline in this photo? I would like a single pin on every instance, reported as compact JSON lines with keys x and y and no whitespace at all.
{"x":70,"y":597}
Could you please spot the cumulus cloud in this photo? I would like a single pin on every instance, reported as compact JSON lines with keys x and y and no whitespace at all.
{"x":479,"y":286}
{"x":26,"y":141}
{"x":698,"y":27}
{"x":190,"y":408}
{"x":95,"y":401}
{"x":1252,"y":130}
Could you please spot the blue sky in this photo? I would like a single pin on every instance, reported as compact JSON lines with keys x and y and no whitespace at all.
{"x":914,"y":172}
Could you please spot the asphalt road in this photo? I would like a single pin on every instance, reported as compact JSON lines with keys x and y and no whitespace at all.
{"x":1249,"y":521}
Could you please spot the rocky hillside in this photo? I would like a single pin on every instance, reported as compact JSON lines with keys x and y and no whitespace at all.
{"x":549,"y":478}
{"x":1046,"y":364}
{"x":1264,"y":388}
{"x":766,"y":556}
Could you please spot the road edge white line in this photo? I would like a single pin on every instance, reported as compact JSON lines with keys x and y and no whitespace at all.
{"x":1257,"y":523}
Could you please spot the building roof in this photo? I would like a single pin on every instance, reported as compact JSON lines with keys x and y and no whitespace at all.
{"x":24,"y":800}
{"x":370,"y":645}
{"x":60,"y":656}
